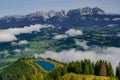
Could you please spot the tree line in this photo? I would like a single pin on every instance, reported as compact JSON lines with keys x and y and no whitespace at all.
{"x":100,"y":68}
{"x":22,"y":71}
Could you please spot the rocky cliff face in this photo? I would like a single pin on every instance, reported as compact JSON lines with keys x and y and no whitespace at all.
{"x":63,"y":13}
{"x":76,"y":17}
{"x":87,"y":11}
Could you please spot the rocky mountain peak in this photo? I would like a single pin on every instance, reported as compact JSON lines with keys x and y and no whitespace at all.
{"x":97,"y":10}
{"x":86,"y":11}
{"x":62,"y":13}
{"x":51,"y":13}
{"x":51,"y":17}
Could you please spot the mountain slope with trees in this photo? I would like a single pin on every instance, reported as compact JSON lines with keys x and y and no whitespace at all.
{"x":26,"y":69}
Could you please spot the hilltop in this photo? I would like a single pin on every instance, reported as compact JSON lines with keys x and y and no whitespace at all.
{"x":27,"y":69}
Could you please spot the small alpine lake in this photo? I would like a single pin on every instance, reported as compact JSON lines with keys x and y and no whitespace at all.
{"x":47,"y":66}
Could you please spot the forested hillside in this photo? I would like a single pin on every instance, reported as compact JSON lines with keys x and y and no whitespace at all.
{"x":26,"y":69}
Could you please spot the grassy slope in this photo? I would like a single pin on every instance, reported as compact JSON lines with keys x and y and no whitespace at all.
{"x":70,"y":76}
{"x":25,"y":67}
{"x":20,"y":67}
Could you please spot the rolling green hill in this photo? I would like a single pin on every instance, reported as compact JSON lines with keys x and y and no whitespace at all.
{"x":27,"y":69}
{"x":24,"y":69}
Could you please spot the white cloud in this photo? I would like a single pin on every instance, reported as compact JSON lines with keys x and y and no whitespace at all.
{"x":27,"y":49}
{"x":14,"y":44}
{"x":83,"y":44}
{"x":106,"y":19}
{"x":110,"y":54}
{"x":23,"y":42}
{"x":73,"y":32}
{"x":10,"y":34}
{"x":60,"y":37}
{"x":116,"y":19}
{"x":17,"y":51}
{"x":112,"y":25}
{"x":69,"y":33}
{"x":7,"y":37}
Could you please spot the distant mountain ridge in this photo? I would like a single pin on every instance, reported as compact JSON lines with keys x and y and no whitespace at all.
{"x":51,"y":13}
{"x":76,"y":17}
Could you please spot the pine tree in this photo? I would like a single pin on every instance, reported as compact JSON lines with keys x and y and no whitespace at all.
{"x":78,"y":67}
{"x":110,"y":70}
{"x":96,"y":68}
{"x":87,"y":67}
{"x":92,"y":71}
{"x":103,"y":71}
{"x":101,"y":68}
{"x":75,"y":67}
{"x":84,"y":66}
{"x":118,"y":71}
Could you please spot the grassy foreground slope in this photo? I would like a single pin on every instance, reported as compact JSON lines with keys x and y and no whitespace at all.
{"x":73,"y":76}
{"x":26,"y":69}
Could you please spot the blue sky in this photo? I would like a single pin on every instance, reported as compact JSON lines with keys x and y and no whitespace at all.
{"x":21,"y":7}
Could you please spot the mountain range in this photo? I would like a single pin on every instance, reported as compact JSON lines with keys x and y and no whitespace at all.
{"x":75,"y":17}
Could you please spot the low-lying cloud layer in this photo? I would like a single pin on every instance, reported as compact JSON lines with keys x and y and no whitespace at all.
{"x":4,"y":37}
{"x":110,"y":54}
{"x":10,"y":34}
{"x":83,"y":44}
{"x":73,"y":32}
{"x":69,"y":33}
{"x":60,"y":37}
{"x":21,"y":50}
{"x":22,"y":42}
{"x":17,"y":50}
